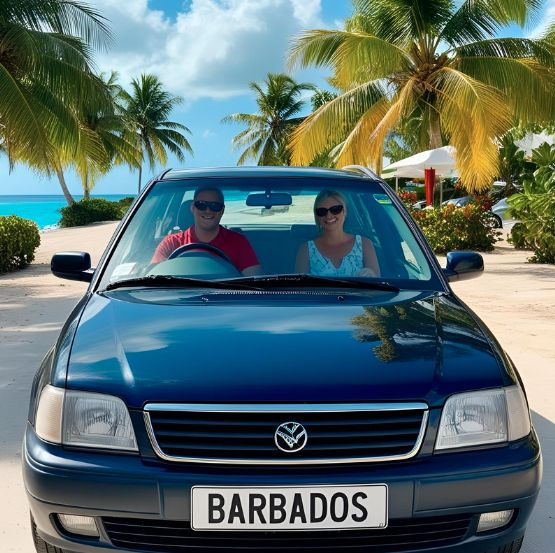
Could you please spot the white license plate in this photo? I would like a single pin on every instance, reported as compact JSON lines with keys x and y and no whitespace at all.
{"x":298,"y":508}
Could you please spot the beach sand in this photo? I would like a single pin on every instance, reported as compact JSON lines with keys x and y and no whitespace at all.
{"x":516,"y":300}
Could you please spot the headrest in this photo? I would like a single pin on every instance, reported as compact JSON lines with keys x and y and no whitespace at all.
{"x":185,"y":216}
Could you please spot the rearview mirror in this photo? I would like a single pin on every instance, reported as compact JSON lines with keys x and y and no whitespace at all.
{"x":269,"y":199}
{"x":463,"y":266}
{"x":72,"y":265}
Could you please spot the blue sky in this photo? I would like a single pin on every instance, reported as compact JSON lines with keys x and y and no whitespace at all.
{"x":206,"y":51}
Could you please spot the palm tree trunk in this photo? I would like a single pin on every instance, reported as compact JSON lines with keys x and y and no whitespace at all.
{"x":140,"y":176}
{"x":86,"y":191}
{"x":434,"y":131}
{"x":67,"y":194}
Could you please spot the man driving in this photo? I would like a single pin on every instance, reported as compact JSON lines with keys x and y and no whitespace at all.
{"x":208,"y":208}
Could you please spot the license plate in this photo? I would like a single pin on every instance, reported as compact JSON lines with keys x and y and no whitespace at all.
{"x":299,"y":508}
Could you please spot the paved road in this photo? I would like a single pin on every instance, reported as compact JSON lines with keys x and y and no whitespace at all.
{"x":516,"y":300}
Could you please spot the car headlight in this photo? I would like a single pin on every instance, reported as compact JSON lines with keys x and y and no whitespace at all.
{"x":482,"y":418}
{"x":71,"y":417}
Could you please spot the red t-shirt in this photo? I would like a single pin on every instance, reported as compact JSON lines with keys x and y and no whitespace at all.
{"x":235,"y":245}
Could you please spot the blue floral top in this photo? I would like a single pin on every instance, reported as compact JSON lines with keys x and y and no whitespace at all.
{"x":351,"y":264}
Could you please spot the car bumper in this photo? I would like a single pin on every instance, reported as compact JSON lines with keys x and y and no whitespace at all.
{"x":130,"y":486}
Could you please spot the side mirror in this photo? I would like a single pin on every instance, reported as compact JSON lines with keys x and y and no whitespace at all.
{"x":72,"y":265}
{"x":463,"y":266}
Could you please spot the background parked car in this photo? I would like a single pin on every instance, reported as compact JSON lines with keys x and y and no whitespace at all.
{"x":458,"y":202}
{"x":499,"y":211}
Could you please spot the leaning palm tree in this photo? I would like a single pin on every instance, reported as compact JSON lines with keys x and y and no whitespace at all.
{"x":147,"y":109}
{"x":103,"y":140}
{"x":267,"y":132}
{"x":438,"y":61}
{"x":45,"y":75}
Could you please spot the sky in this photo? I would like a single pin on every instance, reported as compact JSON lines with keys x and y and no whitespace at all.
{"x":207,"y":52}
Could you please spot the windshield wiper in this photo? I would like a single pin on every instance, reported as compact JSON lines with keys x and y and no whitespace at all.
{"x":277,"y":281}
{"x":168,"y":281}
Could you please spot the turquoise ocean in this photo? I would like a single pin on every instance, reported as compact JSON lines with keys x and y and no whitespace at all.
{"x":43,"y":209}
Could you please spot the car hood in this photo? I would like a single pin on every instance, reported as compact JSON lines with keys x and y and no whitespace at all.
{"x":177,"y":346}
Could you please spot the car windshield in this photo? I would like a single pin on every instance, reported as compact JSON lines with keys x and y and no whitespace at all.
{"x":216,"y":229}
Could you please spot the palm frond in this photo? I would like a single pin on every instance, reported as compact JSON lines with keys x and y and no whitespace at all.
{"x":173,"y":147}
{"x":20,"y":121}
{"x":177,"y":140}
{"x":246,"y":118}
{"x":346,"y":52}
{"x":268,"y":156}
{"x":477,"y":20}
{"x":510,"y":48}
{"x":175,"y":126}
{"x":365,"y":143}
{"x":403,"y":21}
{"x":155,"y":150}
{"x":329,"y":123}
{"x":55,"y":116}
{"x":252,"y":152}
{"x":68,"y":17}
{"x":528,"y":85}
{"x":472,"y":114}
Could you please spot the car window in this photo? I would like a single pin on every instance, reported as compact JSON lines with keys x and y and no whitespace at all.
{"x":272,"y":224}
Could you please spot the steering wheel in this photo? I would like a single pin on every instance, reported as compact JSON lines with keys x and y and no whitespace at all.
{"x":183,"y":250}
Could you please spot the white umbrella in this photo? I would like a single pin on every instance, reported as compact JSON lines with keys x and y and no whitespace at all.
{"x":440,"y":159}
{"x":532,"y":141}
{"x":404,"y":172}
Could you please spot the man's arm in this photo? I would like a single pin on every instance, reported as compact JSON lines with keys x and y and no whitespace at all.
{"x":165,"y":248}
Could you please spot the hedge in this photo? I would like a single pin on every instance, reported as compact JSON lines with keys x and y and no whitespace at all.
{"x":457,"y":228}
{"x":19,"y":238}
{"x":125,"y":204}
{"x":89,"y":211}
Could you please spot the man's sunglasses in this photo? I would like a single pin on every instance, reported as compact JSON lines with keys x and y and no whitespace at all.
{"x":201,"y":205}
{"x":334,"y":210}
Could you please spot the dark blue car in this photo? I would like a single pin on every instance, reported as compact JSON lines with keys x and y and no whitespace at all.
{"x":271,"y":359}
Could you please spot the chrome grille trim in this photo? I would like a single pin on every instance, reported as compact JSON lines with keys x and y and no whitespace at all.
{"x":290,"y":409}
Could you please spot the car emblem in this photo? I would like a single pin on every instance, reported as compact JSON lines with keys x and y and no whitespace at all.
{"x":290,"y":437}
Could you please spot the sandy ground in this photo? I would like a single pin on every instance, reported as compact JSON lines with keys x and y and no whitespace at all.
{"x":515,"y":299}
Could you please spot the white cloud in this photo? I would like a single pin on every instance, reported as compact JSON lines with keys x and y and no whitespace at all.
{"x":213,"y":48}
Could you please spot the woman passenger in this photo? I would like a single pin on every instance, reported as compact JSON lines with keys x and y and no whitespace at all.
{"x":334,"y":252}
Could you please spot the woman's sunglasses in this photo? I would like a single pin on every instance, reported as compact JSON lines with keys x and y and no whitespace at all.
{"x":334,"y":210}
{"x":201,"y":205}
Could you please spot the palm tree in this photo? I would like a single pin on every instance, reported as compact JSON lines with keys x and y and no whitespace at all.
{"x":103,"y":141}
{"x":434,"y":60}
{"x":45,"y":75}
{"x":146,"y":110}
{"x":267,"y":132}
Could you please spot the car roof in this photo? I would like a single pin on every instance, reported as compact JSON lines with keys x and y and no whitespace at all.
{"x":241,"y":172}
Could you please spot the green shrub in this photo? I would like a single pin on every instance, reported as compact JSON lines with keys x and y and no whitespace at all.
{"x":89,"y":211}
{"x":517,"y":237}
{"x":457,"y":228}
{"x":124,"y":204}
{"x":535,"y":208}
{"x":19,"y":238}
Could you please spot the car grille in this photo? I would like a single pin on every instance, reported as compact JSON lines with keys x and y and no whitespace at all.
{"x":246,"y":433}
{"x":177,"y":537}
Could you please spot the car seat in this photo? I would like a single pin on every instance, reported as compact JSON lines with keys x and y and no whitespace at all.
{"x":185,"y":217}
